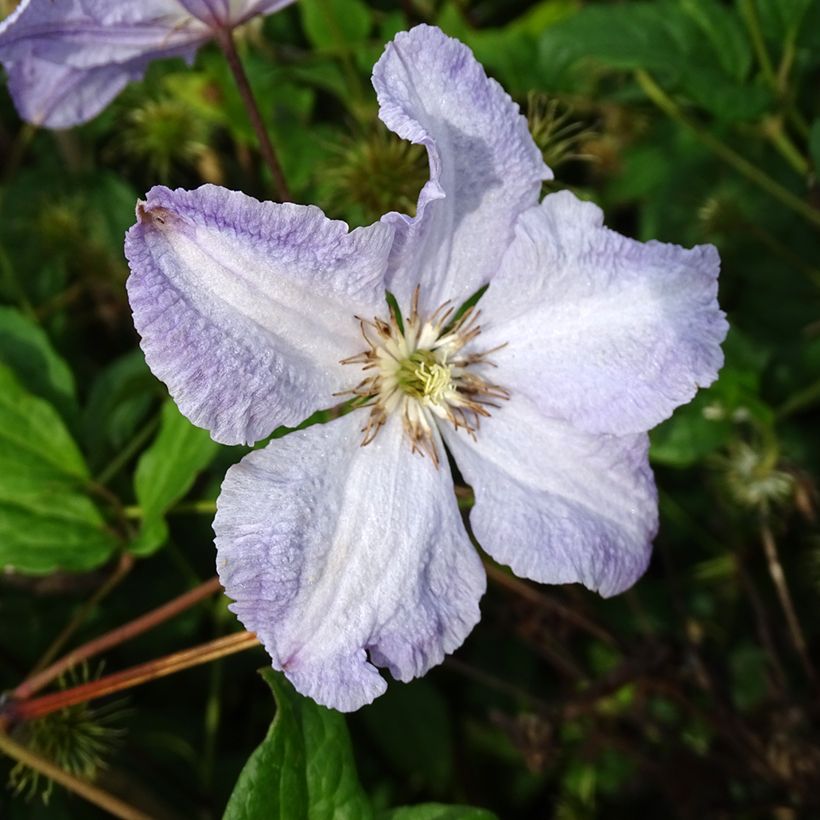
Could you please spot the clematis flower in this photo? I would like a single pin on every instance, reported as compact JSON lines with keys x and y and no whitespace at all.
{"x":342,"y":544}
{"x":67,"y":59}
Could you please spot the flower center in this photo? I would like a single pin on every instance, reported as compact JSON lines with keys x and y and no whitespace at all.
{"x":419,"y":368}
{"x":424,"y":377}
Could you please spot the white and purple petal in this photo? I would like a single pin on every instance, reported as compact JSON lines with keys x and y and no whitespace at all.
{"x":229,"y":13}
{"x":556,"y":504}
{"x":603,"y":331}
{"x":67,"y":60}
{"x":342,"y":558}
{"x":245,"y":308}
{"x":485,"y":168}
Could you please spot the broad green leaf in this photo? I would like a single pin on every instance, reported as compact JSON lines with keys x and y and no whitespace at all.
{"x":724,"y":30}
{"x":47,"y":520}
{"x":119,"y":401}
{"x":437,"y":811}
{"x":638,"y":35}
{"x":27,"y":350}
{"x":696,"y":48}
{"x":335,"y":24}
{"x":304,"y":768}
{"x":165,"y":473}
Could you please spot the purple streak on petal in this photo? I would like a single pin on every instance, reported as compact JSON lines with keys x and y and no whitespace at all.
{"x":67,"y":60}
{"x":245,"y":308}
{"x":231,"y":12}
{"x":334,"y":552}
{"x":556,"y":504}
{"x":485,"y":168}
{"x":603,"y":331}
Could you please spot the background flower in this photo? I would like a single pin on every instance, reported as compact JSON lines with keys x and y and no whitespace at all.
{"x":67,"y":60}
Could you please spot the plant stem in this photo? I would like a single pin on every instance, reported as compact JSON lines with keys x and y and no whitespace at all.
{"x":116,"y":637}
{"x":727,"y":154}
{"x":91,"y":793}
{"x":125,"y":565}
{"x":542,"y":601}
{"x":226,"y":42}
{"x":773,"y":129}
{"x":748,"y":10}
{"x":779,"y":580}
{"x":128,"y":452}
{"x":128,"y":678}
{"x":203,"y":507}
{"x":800,"y":401}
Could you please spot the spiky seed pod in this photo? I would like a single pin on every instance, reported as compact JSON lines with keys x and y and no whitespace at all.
{"x":370,"y":174}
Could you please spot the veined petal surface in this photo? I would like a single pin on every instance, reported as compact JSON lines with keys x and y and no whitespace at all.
{"x":231,"y":12}
{"x":67,"y":60}
{"x":557,"y":504}
{"x":89,"y":33}
{"x":485,"y":168}
{"x":59,"y":96}
{"x":245,"y":308}
{"x":606,"y":332}
{"x":340,"y":557}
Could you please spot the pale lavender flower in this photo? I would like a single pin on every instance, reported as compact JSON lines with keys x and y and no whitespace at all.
{"x":67,"y":59}
{"x":343,"y":557}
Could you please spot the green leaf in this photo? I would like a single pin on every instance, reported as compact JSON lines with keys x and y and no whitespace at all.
{"x":27,"y":350}
{"x":335,"y":24}
{"x":693,"y":46}
{"x":165,"y":473}
{"x":437,"y":811}
{"x":119,"y":401}
{"x":724,"y":30}
{"x":47,"y":520}
{"x":814,"y":145}
{"x":304,"y":768}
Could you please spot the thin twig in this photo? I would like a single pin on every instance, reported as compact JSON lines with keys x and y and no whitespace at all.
{"x":763,"y":630}
{"x":224,"y":38}
{"x":91,"y":793}
{"x":124,"y":566}
{"x":727,"y":154}
{"x":152,"y":670}
{"x":782,"y":587}
{"x":116,"y":637}
{"x":543,"y":601}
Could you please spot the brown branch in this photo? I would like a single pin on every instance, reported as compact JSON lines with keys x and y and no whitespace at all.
{"x":128,"y":678}
{"x":782,"y":587}
{"x":97,"y":796}
{"x":543,"y":601}
{"x":115,"y":637}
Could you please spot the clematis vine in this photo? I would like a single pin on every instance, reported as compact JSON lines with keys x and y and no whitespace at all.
{"x":341,"y":544}
{"x":67,"y":59}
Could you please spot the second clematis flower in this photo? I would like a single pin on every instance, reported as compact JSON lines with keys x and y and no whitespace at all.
{"x":67,"y":59}
{"x":342,"y":544}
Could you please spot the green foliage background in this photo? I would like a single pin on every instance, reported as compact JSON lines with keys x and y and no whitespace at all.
{"x":694,"y":694}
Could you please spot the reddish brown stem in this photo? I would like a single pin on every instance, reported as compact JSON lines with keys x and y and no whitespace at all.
{"x":542,"y":601}
{"x":128,"y":678}
{"x":224,"y":38}
{"x":114,"y":638}
{"x":779,"y":579}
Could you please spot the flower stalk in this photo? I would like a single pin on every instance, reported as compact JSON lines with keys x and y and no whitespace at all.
{"x":226,"y":42}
